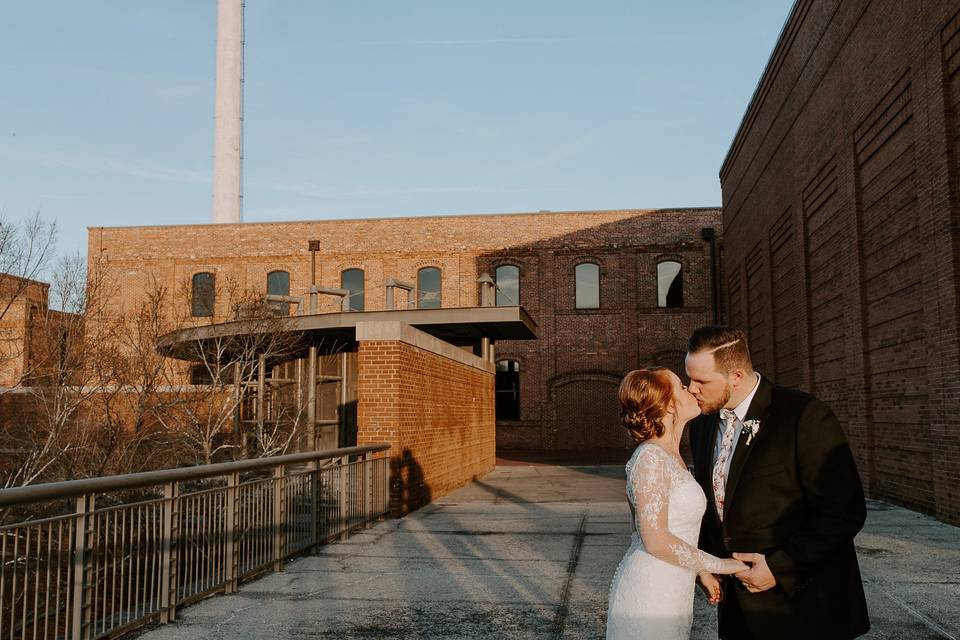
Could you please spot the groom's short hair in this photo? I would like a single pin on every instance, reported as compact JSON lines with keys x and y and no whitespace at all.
{"x":727,"y":344}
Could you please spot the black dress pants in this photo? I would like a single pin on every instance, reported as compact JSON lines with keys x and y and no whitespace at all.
{"x":731,"y":621}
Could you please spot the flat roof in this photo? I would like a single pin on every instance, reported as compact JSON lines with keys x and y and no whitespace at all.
{"x":378,"y":218}
{"x":458,"y":326}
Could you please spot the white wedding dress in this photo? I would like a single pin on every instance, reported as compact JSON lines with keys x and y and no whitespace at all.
{"x":651,"y":597}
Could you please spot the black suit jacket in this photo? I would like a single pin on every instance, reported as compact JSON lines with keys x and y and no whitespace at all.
{"x":795,"y":496}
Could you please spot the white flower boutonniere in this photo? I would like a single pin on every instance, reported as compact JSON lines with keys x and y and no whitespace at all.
{"x":750,"y":427}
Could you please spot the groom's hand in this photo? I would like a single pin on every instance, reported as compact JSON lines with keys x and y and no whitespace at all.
{"x":758,"y":577}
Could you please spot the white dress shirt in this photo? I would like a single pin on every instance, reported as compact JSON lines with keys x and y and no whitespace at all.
{"x":741,"y":413}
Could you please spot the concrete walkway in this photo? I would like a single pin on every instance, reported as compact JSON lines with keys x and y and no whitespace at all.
{"x":529,"y":552}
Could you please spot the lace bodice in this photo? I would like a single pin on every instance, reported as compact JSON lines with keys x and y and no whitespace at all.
{"x":667,"y":505}
{"x":651,"y":596}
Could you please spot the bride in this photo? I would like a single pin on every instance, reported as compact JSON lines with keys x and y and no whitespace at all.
{"x":651,"y":596}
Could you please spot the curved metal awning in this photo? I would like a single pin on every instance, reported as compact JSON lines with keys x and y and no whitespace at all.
{"x":458,"y":326}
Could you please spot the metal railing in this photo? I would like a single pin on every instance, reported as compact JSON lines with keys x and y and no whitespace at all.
{"x":188,"y":533}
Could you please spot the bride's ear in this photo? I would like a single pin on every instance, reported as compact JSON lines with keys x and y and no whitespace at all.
{"x":673,"y":410}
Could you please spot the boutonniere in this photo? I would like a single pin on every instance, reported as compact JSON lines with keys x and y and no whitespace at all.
{"x":750,"y":427}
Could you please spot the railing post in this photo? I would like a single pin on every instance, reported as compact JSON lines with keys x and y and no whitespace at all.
{"x":169,"y":564}
{"x":315,"y":511}
{"x":279,"y":519}
{"x":344,"y":496}
{"x":83,"y":542}
{"x":368,"y":488}
{"x":231,"y":555}
{"x":385,"y":487}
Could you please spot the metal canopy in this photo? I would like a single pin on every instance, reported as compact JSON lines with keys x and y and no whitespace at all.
{"x":458,"y":326}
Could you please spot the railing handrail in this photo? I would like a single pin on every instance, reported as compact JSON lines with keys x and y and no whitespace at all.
{"x":72,"y":488}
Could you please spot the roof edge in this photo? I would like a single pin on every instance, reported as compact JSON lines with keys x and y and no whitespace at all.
{"x":766,"y":79}
{"x":425,"y":217}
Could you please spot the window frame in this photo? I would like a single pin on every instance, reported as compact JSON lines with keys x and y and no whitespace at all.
{"x":514,"y":368}
{"x":283,"y":307}
{"x":497,"y":292}
{"x":439,"y":287}
{"x":353,"y":293}
{"x":278,"y":271}
{"x":576,"y":283}
{"x":206,"y":309}
{"x":666,"y":294}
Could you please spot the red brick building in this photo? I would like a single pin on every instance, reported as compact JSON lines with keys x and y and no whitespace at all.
{"x":33,"y":337}
{"x":609,"y":291}
{"x":841,"y":239}
{"x":22,"y":302}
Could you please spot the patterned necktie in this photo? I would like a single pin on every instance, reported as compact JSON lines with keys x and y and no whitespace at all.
{"x":720,"y":466}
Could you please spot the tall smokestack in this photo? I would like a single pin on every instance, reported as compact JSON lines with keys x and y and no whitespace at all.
{"x":228,"y":126}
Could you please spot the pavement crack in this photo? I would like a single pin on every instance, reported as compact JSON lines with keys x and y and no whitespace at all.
{"x":560,"y":620}
{"x":928,"y":622}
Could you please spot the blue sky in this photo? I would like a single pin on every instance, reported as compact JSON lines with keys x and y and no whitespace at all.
{"x":363,"y":109}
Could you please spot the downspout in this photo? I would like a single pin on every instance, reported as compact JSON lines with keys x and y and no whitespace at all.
{"x":709,"y":234}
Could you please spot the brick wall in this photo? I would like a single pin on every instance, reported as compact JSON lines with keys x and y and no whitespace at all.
{"x":23,"y":307}
{"x":432,"y":402}
{"x":840,"y":233}
{"x":579,"y":353}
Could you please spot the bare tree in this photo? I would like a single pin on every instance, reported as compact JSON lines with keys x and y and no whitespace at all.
{"x":26,"y":249}
{"x":207,"y":403}
{"x":84,"y":405}
{"x":46,"y":437}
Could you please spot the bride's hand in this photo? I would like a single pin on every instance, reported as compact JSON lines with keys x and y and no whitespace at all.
{"x":730,"y":566}
{"x":711,"y":586}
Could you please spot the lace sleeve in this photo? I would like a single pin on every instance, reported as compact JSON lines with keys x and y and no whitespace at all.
{"x":651,"y":480}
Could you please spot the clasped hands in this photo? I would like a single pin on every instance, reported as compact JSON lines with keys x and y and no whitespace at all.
{"x":755,"y":579}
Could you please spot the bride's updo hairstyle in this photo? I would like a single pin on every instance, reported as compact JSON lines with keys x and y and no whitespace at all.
{"x":645,"y":396}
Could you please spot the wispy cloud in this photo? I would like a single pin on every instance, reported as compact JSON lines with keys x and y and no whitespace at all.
{"x":319,"y":191}
{"x":93,"y":163}
{"x":526,"y":40}
{"x":566,"y":149}
{"x":174,"y":93}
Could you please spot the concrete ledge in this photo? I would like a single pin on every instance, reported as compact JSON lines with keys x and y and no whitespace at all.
{"x":403,"y":332}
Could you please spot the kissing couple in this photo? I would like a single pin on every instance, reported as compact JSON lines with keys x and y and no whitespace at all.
{"x":766,"y":522}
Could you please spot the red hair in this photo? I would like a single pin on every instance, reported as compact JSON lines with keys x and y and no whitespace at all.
{"x":645,"y":396}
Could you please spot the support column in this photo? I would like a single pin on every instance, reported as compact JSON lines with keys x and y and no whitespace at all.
{"x":312,"y":397}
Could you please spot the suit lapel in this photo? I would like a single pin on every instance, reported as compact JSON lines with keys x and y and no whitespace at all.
{"x":759,"y":410}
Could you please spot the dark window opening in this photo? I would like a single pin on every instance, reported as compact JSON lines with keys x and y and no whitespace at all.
{"x":428,"y":288}
{"x":669,"y":284}
{"x":508,"y":390}
{"x":352,"y":281}
{"x":588,"y":286}
{"x":204,"y":374}
{"x":508,"y":285}
{"x":203,"y":295}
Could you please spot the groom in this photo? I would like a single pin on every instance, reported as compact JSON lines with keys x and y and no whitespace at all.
{"x":783,"y":496}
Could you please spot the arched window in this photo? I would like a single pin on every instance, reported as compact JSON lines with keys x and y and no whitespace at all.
{"x":508,"y":285}
{"x":669,"y":284}
{"x":203,"y":295}
{"x":428,"y":288}
{"x":278,"y":284}
{"x":352,"y":281}
{"x":508,"y":390}
{"x":588,"y":285}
